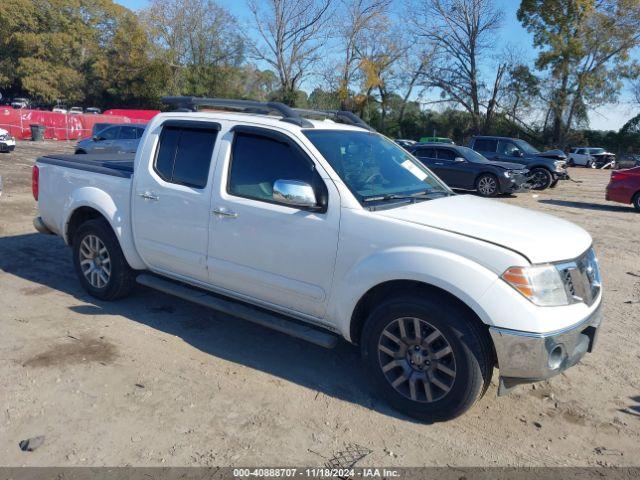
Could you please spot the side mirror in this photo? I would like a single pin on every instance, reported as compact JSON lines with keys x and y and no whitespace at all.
{"x":459,"y":160}
{"x":517,"y":153}
{"x":97,"y":138}
{"x":294,"y":193}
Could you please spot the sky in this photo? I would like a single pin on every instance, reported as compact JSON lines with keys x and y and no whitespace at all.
{"x":513,"y":35}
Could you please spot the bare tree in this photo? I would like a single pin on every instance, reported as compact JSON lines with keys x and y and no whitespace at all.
{"x":361,"y":16}
{"x":462,"y":32}
{"x":291,"y":34}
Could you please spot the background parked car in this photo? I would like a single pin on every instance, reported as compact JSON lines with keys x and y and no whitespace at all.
{"x":404,"y":142}
{"x":591,"y":157}
{"x":464,"y":168}
{"x":7,"y":142}
{"x":93,"y":111}
{"x":60,"y":109}
{"x":545,"y":168}
{"x":76,"y":110}
{"x":114,"y":139}
{"x":436,"y":140}
{"x":624,"y":187}
{"x":628,"y":160}
{"x":20,"y":103}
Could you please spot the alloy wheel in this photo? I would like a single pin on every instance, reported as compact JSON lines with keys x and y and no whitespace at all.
{"x":487,"y":186}
{"x":416,"y":359}
{"x":95,"y":261}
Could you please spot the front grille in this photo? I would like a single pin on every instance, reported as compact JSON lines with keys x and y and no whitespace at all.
{"x":581,"y":277}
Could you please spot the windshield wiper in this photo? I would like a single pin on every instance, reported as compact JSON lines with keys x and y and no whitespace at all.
{"x":398,"y":196}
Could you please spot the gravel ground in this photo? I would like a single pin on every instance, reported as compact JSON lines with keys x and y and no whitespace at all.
{"x":152,"y":380}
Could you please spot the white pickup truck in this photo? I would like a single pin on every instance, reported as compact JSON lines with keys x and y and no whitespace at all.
{"x":322,"y":228}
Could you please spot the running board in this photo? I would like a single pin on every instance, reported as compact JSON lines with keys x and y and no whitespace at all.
{"x":240,"y":310}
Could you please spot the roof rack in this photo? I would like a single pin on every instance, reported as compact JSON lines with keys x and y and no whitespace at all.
{"x":340,"y":116}
{"x":191,"y":104}
{"x":291,"y":115}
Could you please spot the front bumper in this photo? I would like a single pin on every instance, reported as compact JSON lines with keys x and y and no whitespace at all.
{"x":525,"y":357}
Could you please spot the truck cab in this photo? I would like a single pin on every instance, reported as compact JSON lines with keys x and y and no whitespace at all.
{"x":315,"y":225}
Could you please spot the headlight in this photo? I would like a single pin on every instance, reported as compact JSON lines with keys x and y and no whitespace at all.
{"x":508,"y":174}
{"x":541,"y":284}
{"x":559,"y":164}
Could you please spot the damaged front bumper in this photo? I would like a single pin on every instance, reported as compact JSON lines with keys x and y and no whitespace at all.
{"x":525,"y":357}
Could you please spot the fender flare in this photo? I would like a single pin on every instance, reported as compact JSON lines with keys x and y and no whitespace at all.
{"x":100,"y":201}
{"x":463,"y":278}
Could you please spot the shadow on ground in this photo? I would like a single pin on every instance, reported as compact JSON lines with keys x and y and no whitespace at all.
{"x":45,"y":260}
{"x":587,"y":206}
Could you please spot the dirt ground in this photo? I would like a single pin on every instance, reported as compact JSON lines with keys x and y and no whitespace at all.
{"x":152,"y":380}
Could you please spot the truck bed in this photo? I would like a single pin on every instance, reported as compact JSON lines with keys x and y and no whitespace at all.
{"x":115,"y":164}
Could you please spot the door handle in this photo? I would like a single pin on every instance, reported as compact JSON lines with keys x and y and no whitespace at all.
{"x":223,"y":212}
{"x":149,"y":196}
{"x":439,"y":163}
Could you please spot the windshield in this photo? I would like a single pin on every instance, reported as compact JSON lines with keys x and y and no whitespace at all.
{"x":373,"y":166}
{"x":527,"y":147}
{"x":472,"y":155}
{"x":596,"y":151}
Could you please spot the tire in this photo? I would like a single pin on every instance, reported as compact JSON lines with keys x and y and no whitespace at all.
{"x":636,"y":202}
{"x":590,"y":164}
{"x":487,"y":185}
{"x":541,"y":178}
{"x":570,"y":163}
{"x":554,"y":184}
{"x":109,"y":276}
{"x":449,"y":326}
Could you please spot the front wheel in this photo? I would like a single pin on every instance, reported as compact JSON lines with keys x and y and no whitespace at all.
{"x":540,"y":178}
{"x":487,"y":185}
{"x":99,"y":262}
{"x":636,"y":202}
{"x":426,"y":356}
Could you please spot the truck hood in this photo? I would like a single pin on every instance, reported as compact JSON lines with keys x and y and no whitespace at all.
{"x":555,"y":154}
{"x":539,"y":237}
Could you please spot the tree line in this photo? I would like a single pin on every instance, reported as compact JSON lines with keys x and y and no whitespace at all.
{"x":432,"y":66}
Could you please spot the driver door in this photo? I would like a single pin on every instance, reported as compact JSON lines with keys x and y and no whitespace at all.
{"x":509,"y":152}
{"x":259,"y":248}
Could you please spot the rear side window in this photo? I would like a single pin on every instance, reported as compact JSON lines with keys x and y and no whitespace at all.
{"x":258,"y":161}
{"x":184,"y":155}
{"x":485,"y":145}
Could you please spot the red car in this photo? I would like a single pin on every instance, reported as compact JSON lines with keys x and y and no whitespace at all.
{"x":624,"y":187}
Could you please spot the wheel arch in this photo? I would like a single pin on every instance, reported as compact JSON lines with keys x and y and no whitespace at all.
{"x":89,"y":205}
{"x":391,"y":288}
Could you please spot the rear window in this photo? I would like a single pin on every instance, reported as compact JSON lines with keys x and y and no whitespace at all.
{"x":184,"y":155}
{"x":485,"y":145}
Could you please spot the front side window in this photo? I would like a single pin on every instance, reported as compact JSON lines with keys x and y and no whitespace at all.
{"x":184,"y":155}
{"x":446,"y":154}
{"x":258,"y":161}
{"x":508,"y":148}
{"x":425,"y":153}
{"x":128,"y":133}
{"x":109,"y":133}
{"x":372,"y":166}
{"x":526,"y":147}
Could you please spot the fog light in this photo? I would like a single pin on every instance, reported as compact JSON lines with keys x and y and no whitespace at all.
{"x":555,"y":357}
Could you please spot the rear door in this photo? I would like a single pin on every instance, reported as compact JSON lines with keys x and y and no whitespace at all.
{"x":487,"y":147}
{"x":261,"y":249}
{"x":171,"y":199}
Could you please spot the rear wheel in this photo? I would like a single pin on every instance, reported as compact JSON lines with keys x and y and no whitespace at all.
{"x":540,"y":178}
{"x":426,"y":356}
{"x":99,"y":262}
{"x":636,"y":201}
{"x":487,"y":185}
{"x":80,"y":152}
